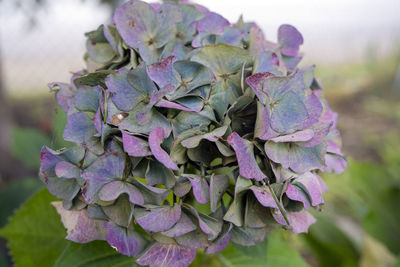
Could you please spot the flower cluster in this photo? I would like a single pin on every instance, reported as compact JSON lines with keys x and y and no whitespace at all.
{"x":190,"y":132}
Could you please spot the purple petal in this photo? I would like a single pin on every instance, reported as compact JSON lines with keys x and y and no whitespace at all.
{"x":312,"y":183}
{"x":168,"y":104}
{"x":248,"y":166}
{"x":105,"y":169}
{"x":79,"y":128}
{"x":334,"y":163}
{"x":135,"y":146}
{"x":221,"y":242}
{"x":156,"y":137}
{"x":295,"y":193}
{"x":212,"y":23}
{"x":80,"y":227}
{"x":163,"y":73}
{"x":167,"y":255}
{"x":183,"y":226}
{"x":209,"y":225}
{"x":299,"y":136}
{"x":125,"y":241}
{"x":290,"y":39}
{"x":113,"y":190}
{"x":64,"y":94}
{"x":314,"y":109}
{"x":299,"y":221}
{"x":65,"y":169}
{"x":264,"y":196}
{"x":200,"y":188}
{"x":157,"y":219}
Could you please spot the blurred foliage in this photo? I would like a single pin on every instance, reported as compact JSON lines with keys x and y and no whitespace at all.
{"x":14,"y":194}
{"x":26,"y":145}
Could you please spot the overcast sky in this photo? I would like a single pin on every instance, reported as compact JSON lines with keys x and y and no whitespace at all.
{"x":335,"y":31}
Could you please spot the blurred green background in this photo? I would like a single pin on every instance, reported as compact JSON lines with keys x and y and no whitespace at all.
{"x":360,"y":222}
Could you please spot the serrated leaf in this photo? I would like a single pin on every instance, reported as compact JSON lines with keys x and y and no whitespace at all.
{"x":35,"y":233}
{"x":96,"y":253}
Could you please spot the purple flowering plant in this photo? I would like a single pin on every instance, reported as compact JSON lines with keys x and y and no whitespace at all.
{"x":191,"y":132}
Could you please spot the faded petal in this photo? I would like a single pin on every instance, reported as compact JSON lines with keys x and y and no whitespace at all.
{"x":248,"y":166}
{"x":80,"y":227}
{"x":167,"y":255}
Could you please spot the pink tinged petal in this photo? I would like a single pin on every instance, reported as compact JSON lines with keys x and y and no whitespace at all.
{"x":262,"y":128}
{"x":66,"y":169}
{"x":314,"y":109}
{"x":125,"y":241}
{"x":264,"y":196}
{"x":212,"y":23}
{"x":163,"y":73}
{"x":297,"y":194}
{"x":80,"y":227}
{"x":290,"y":39}
{"x":183,"y":226}
{"x":168,"y":104}
{"x":219,"y":245}
{"x":299,"y":221}
{"x":248,"y":166}
{"x":167,"y":255}
{"x":256,"y":82}
{"x":113,"y":190}
{"x":299,"y":136}
{"x":158,"y":218}
{"x":320,"y":132}
{"x":155,"y":139}
{"x":312,"y":183}
{"x":200,"y":187}
{"x":332,"y":147}
{"x":135,"y":146}
{"x":334,"y":163}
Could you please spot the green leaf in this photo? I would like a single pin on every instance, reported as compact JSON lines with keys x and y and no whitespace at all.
{"x":16,"y":192}
{"x":26,"y":146}
{"x":35,"y":233}
{"x":93,"y":79}
{"x":96,"y":253}
{"x":59,"y":121}
{"x":240,"y":256}
{"x":281,"y":254}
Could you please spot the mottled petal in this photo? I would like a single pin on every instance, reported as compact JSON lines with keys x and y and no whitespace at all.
{"x":105,"y":169}
{"x":200,"y":188}
{"x":113,"y":190}
{"x":163,"y":72}
{"x":290,"y":39}
{"x":156,"y":137}
{"x":299,"y":136}
{"x":79,"y":128}
{"x":183,"y":226}
{"x":264,"y":196}
{"x":248,"y":166}
{"x":299,"y":221}
{"x":158,"y":218}
{"x":125,"y":240}
{"x":167,"y":255}
{"x":135,"y":146}
{"x":66,"y":169}
{"x":80,"y":227}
